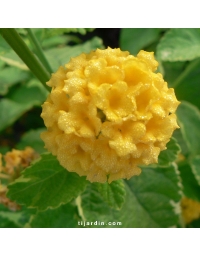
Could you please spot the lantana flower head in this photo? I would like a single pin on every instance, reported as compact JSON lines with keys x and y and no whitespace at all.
{"x":108,"y":112}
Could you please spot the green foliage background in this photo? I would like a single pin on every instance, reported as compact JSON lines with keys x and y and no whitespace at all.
{"x":52,"y":197}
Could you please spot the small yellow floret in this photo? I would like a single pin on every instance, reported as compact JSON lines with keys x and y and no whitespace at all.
{"x":107,"y":113}
{"x":190,"y":210}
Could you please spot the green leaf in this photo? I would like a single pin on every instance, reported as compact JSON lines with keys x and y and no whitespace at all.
{"x":135,"y":39}
{"x":170,"y":154}
{"x":158,"y":192}
{"x":32,"y":139}
{"x":180,"y":44}
{"x":31,"y":94}
{"x":152,"y":200}
{"x":2,"y":64}
{"x":191,"y":188}
{"x":54,"y":37}
{"x":12,"y":59}
{"x":21,"y":100}
{"x":10,"y":112}
{"x":60,"y":56}
{"x":4,"y":46}
{"x":187,"y":83}
{"x":46,"y":184}
{"x":18,"y":218}
{"x":179,"y":137}
{"x":4,"y":149}
{"x":113,"y":194}
{"x":11,"y":217}
{"x":10,"y":76}
{"x":194,"y":224}
{"x":172,"y":70}
{"x":189,"y":121}
{"x":195,"y":166}
{"x":7,"y":223}
{"x":59,"y":41}
{"x":60,"y":31}
{"x":65,"y":216}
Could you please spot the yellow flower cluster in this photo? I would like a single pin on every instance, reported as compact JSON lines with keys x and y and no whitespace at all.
{"x":107,"y":113}
{"x":6,"y":201}
{"x":16,"y":160}
{"x":11,"y":165}
{"x":190,"y":210}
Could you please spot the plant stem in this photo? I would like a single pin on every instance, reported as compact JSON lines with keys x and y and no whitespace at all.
{"x":39,"y":50}
{"x":22,"y":50}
